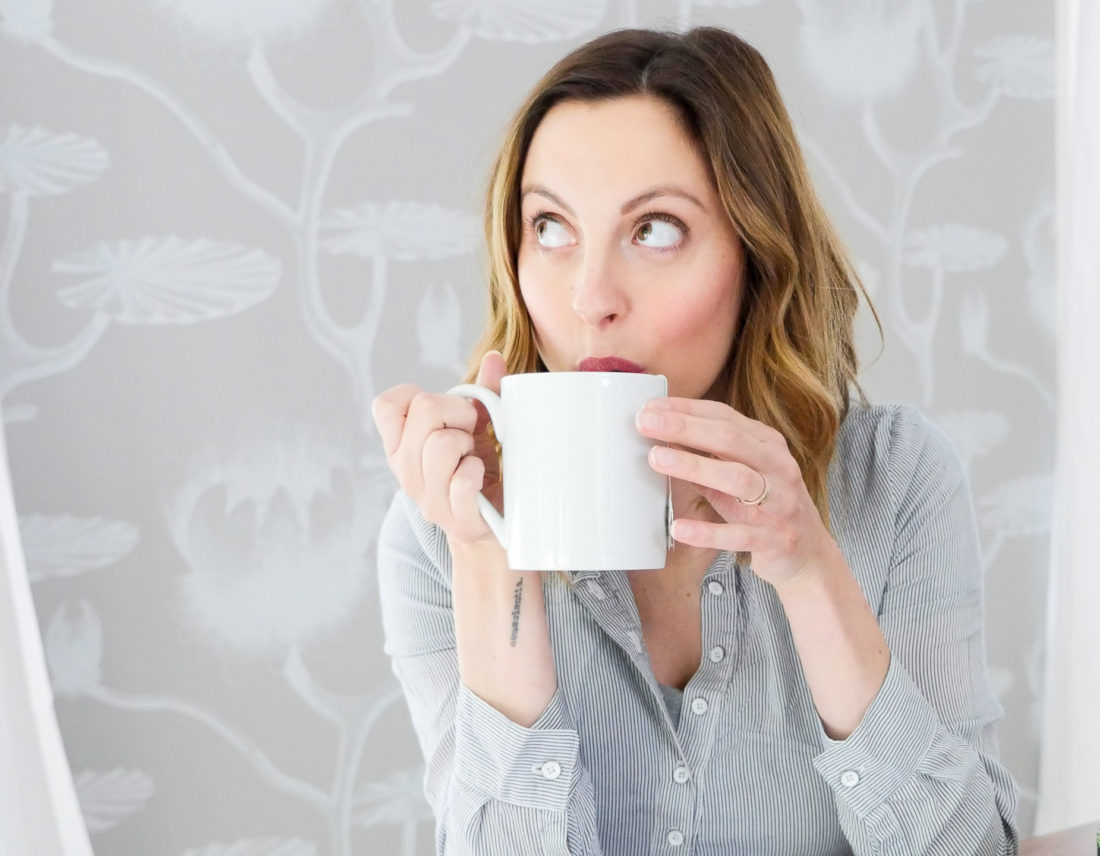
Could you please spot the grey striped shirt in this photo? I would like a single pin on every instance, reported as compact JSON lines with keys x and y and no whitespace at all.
{"x":746,"y":767}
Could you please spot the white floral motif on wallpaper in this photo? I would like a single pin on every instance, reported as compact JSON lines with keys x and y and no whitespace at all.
{"x":439,"y":329}
{"x":168,"y":280}
{"x":398,"y":799}
{"x":147,"y":281}
{"x":74,"y":653}
{"x":64,"y":546}
{"x":974,"y":432}
{"x":276,"y":527}
{"x":106,"y":799}
{"x":35,"y":163}
{"x":407,"y":231}
{"x":861,"y":51}
{"x":1018,"y":508}
{"x":246,"y":20}
{"x":257,"y":847}
{"x":523,"y":20}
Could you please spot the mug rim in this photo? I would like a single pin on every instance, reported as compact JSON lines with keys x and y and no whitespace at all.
{"x":619,"y":376}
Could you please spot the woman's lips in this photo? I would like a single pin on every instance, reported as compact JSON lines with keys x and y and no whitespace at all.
{"x":609,"y":364}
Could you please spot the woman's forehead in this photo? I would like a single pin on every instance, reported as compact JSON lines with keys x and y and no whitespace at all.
{"x":629,"y":141}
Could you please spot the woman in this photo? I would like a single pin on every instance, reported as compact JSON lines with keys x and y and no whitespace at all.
{"x":819,"y":622}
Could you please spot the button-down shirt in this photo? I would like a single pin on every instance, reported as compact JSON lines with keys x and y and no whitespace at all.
{"x":744,"y":767}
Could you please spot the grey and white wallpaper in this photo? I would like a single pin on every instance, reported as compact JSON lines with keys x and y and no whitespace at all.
{"x":227,"y":224}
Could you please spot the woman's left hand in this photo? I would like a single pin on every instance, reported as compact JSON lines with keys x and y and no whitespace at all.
{"x":732,"y":460}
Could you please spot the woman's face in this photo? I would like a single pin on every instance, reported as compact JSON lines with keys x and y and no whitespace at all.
{"x":626,"y":250}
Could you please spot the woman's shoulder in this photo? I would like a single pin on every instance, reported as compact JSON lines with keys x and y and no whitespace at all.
{"x":893,"y":468}
{"x":890,"y":434}
{"x":889,"y":450}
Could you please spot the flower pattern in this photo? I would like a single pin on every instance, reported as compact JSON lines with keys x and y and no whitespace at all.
{"x":952,"y":248}
{"x":37,"y":162}
{"x":246,"y":20}
{"x":74,"y":648}
{"x":274,"y":522}
{"x":402,"y":231}
{"x":1018,"y":66}
{"x":861,"y":50}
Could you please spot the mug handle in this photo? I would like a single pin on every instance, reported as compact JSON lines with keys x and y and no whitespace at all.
{"x":492,"y":403}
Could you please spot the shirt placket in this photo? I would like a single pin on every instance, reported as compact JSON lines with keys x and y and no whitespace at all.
{"x":607,"y":597}
{"x":704,"y":701}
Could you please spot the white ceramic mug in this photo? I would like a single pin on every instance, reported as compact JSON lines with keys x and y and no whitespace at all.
{"x":579,"y":493}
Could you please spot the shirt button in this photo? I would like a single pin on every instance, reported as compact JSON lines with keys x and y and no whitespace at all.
{"x":675,"y":837}
{"x":550,"y":770}
{"x":849,"y":778}
{"x":699,"y":706}
{"x":681,"y":774}
{"x":715,"y":587}
{"x":717,"y":654}
{"x":596,"y":589}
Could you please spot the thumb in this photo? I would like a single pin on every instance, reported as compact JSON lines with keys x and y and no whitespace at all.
{"x":492,"y":371}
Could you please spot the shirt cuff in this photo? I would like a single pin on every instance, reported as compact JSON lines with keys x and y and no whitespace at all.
{"x":884,"y":751}
{"x":531,"y":767}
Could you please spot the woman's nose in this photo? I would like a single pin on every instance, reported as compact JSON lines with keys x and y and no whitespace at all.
{"x":598,"y":293}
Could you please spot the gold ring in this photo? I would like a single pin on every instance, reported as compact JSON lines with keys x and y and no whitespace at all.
{"x":763,"y":494}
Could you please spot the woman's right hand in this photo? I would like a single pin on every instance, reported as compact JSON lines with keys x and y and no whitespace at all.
{"x":442,"y":453}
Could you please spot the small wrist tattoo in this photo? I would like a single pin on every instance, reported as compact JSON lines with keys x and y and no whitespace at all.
{"x":517,"y":599}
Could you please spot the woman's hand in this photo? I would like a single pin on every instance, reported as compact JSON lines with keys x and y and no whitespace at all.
{"x":442,"y":453}
{"x":732,"y":461}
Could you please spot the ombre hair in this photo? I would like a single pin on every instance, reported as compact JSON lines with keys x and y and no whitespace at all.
{"x":793,"y":362}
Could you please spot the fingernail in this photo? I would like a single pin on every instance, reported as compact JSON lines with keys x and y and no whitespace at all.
{"x":662,"y":456}
{"x":649,"y":421}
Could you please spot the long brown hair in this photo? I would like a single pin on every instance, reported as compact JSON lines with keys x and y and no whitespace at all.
{"x":793,"y":363}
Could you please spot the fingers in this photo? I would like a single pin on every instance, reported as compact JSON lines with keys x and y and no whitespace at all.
{"x":706,"y":409}
{"x":725,"y":437}
{"x":492,"y":371}
{"x":429,"y":412}
{"x":731,"y":478}
{"x":431,"y":443}
{"x":389,"y":411}
{"x":464,"y":489}
{"x":735,"y":537}
{"x":409,"y":421}
{"x":441,"y":456}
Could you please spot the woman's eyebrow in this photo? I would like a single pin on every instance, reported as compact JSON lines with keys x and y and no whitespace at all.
{"x":641,"y":199}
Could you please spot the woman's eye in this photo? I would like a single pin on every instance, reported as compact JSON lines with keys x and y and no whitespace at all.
{"x":658,"y":234}
{"x":550,"y":233}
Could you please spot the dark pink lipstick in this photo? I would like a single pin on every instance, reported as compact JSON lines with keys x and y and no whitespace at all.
{"x":609,"y":364}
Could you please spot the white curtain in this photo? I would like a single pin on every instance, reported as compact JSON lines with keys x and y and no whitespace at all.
{"x":39,"y":812}
{"x":1069,"y":778}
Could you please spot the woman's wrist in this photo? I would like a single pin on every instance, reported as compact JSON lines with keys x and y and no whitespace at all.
{"x":501,"y":632}
{"x":485,"y":553}
{"x":843,"y":653}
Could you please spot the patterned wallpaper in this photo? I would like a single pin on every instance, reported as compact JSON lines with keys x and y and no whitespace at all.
{"x":229,"y":223}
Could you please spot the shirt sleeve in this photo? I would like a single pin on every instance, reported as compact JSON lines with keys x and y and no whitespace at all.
{"x":920,"y":774}
{"x":495,"y":787}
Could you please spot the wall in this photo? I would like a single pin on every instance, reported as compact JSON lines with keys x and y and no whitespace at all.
{"x":229,"y":223}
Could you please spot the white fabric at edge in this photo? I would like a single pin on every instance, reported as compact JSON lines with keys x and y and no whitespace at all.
{"x":39,"y":812}
{"x":1069,"y":770}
